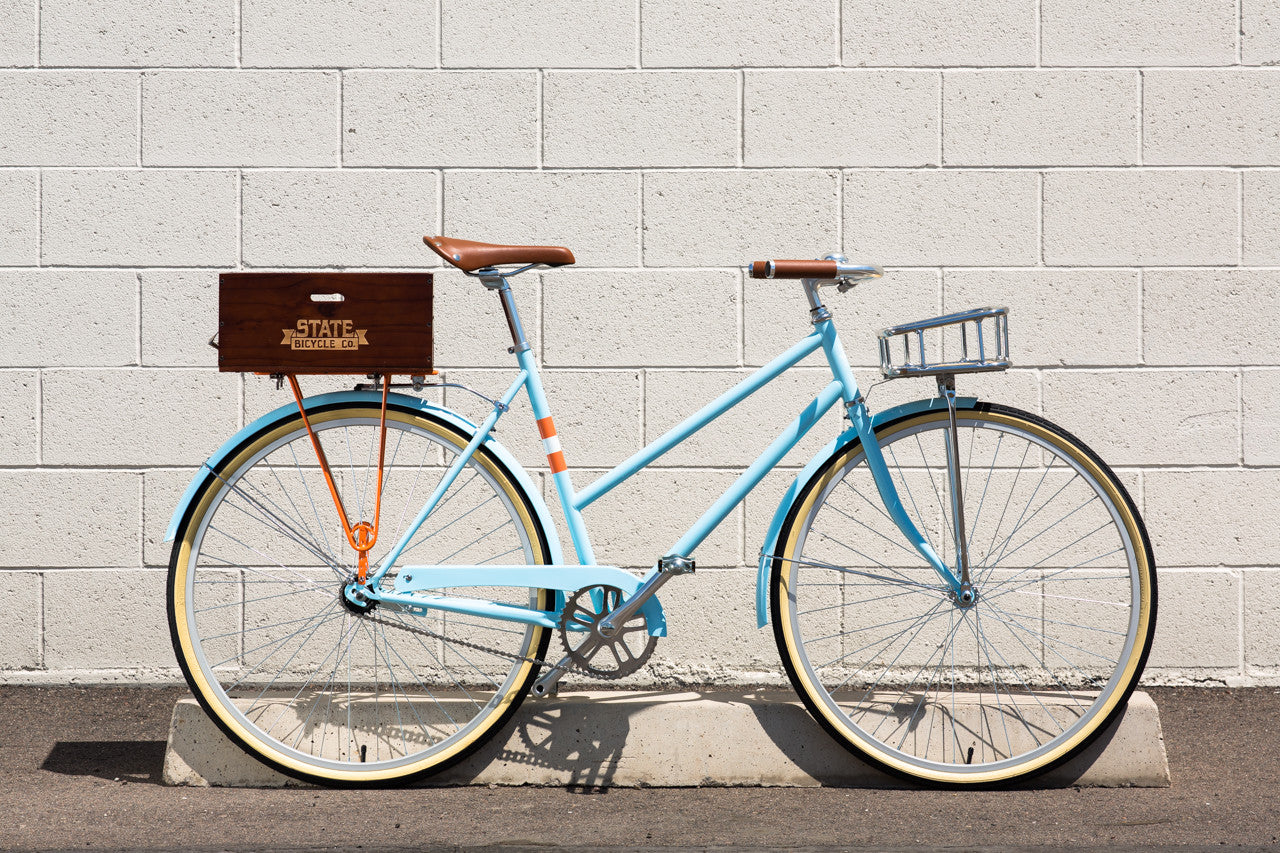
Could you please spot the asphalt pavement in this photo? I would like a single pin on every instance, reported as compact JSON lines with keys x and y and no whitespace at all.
{"x":80,"y":769}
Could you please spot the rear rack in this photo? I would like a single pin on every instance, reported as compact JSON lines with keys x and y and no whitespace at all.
{"x":980,"y":336}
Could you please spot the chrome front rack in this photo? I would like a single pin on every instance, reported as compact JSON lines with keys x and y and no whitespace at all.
{"x":980,"y":337}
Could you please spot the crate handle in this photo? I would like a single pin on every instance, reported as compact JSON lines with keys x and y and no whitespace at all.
{"x":328,"y":297}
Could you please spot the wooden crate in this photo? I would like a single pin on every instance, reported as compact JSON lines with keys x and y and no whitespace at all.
{"x":324,"y":322}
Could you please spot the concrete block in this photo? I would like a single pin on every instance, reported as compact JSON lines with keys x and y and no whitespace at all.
{"x":338,"y":34}
{"x":156,"y":217}
{"x":122,"y":32}
{"x":671,"y":739}
{"x":69,"y":118}
{"x":339,"y":218}
{"x":90,"y":318}
{"x":106,"y":620}
{"x":20,"y":641}
{"x":440,"y":118}
{"x":654,"y":118}
{"x":136,"y":417}
{"x":1260,"y":32}
{"x":1144,"y":32}
{"x":776,"y":315}
{"x":1156,"y":218}
{"x":639,"y":521}
{"x":468,"y":327}
{"x":998,"y":118}
{"x":633,"y":318}
{"x":1059,"y":317}
{"x":239,"y":118}
{"x":161,"y":491}
{"x":596,"y":214}
{"x":78,"y":518}
{"x":1199,"y":621}
{"x":950,"y":32}
{"x":789,"y":120}
{"x":1261,"y":217}
{"x":179,"y":316}
{"x":1260,"y":391}
{"x":19,"y":215}
{"x":17,"y":33}
{"x":538,"y":34}
{"x":1261,"y":618}
{"x":713,"y":639}
{"x":1213,"y":518}
{"x":1210,"y":116}
{"x":731,"y":218}
{"x":1211,"y":317}
{"x":752,"y":33}
{"x":1144,"y":417}
{"x":738,"y":436}
{"x":940,"y":217}
{"x":19,"y":405}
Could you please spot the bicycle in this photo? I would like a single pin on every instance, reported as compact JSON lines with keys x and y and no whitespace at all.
{"x":962,"y":593}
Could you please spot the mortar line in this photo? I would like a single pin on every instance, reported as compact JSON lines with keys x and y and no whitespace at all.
{"x":640,"y":221}
{"x":41,"y":653}
{"x":840,"y":33}
{"x":142,"y":521}
{"x":542,"y":119}
{"x":1239,"y":32}
{"x":40,"y":418}
{"x":138,"y":307}
{"x":439,"y":34}
{"x":1240,"y":221}
{"x":644,"y":403}
{"x":742,"y":117}
{"x":342,"y":107}
{"x":239,"y":25}
{"x":942,"y":118}
{"x":141,"y":78}
{"x":1142,"y":117}
{"x":1240,"y":414}
{"x":639,"y":34}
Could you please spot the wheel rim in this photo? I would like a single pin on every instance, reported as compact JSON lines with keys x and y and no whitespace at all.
{"x":915,"y":680}
{"x":308,"y":683}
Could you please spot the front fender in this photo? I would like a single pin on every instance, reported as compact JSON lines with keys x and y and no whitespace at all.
{"x":788,"y":498}
{"x":270,"y":419}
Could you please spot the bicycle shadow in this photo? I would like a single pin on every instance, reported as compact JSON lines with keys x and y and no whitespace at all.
{"x":134,"y":761}
{"x":599,"y":740}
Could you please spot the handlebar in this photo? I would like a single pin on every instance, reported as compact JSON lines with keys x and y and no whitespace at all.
{"x":823,"y":269}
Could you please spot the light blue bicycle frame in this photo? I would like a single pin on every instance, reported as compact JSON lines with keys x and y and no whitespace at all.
{"x":566,"y":578}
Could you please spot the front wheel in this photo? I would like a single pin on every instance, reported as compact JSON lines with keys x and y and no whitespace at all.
{"x":323,"y":687}
{"x":923,"y":683}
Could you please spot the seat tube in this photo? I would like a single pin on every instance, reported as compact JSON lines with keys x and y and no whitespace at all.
{"x":542,"y":414}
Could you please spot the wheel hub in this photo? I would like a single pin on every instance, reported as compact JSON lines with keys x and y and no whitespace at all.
{"x":355,"y":598}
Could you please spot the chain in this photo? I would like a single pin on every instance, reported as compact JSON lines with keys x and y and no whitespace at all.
{"x":426,"y":632}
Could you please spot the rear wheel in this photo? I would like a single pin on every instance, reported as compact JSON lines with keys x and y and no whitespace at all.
{"x":931,"y":687}
{"x":322,"y":687}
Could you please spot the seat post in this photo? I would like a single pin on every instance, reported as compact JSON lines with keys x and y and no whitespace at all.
{"x":494,"y":280}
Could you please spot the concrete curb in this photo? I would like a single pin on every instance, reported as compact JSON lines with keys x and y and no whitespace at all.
{"x":660,"y":739}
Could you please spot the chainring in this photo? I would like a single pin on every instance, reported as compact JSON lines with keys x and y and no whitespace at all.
{"x":593,"y":653}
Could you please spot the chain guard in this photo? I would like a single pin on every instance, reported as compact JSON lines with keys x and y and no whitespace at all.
{"x":593,"y":653}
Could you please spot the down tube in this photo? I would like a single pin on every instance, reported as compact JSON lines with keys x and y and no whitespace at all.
{"x":756,"y":472}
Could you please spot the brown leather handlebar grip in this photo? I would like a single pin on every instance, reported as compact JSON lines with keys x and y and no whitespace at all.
{"x":794,"y":269}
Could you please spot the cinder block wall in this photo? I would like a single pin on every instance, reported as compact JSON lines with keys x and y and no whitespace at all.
{"x":1107,"y":169}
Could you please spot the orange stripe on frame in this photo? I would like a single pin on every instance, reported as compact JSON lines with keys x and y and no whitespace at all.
{"x":546,"y":428}
{"x":557,"y":462}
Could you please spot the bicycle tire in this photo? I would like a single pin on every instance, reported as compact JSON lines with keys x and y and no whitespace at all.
{"x":1010,"y":686}
{"x":301,"y":681}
